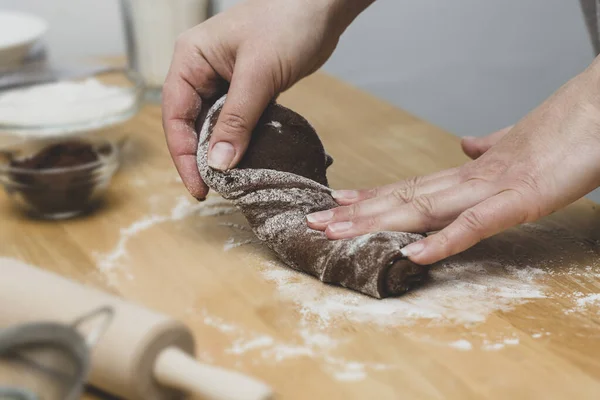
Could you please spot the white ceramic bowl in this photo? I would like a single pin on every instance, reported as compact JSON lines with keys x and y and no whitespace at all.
{"x":18,"y":33}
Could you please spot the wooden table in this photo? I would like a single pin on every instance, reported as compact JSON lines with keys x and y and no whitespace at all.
{"x":513,"y":318}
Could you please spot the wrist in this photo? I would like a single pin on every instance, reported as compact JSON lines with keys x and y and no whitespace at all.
{"x":341,"y":13}
{"x":589,"y":82}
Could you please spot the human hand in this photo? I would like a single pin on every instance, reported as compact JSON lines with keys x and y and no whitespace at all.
{"x":545,"y":162}
{"x":258,"y":48}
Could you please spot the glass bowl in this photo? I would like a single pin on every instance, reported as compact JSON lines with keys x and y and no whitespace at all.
{"x":70,"y":107}
{"x":58,"y":192}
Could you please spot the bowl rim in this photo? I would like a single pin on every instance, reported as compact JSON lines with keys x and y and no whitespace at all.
{"x":111,"y":159}
{"x":39,"y":24}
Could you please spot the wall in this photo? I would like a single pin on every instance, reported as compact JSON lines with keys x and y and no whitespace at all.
{"x":470,"y":66}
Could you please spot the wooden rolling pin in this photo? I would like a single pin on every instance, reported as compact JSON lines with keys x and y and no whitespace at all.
{"x":142,"y":354}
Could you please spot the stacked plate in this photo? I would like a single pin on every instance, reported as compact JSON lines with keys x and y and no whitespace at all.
{"x":19,"y":33}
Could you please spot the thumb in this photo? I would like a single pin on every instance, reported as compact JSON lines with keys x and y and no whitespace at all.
{"x":250,"y":92}
{"x":474,"y":147}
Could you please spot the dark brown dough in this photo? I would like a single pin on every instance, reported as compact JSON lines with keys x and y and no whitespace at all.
{"x":281,"y":178}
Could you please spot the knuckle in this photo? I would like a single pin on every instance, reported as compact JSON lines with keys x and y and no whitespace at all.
{"x":442,"y":240}
{"x":413,"y":181}
{"x":473,"y":221}
{"x":403,"y":194}
{"x":424,"y":205}
{"x":353,"y":211}
{"x":233,"y":124}
{"x":406,"y":192}
{"x":371,"y":224}
{"x":465,"y":173}
{"x":371,"y":193}
{"x":528,"y":182}
{"x":485,"y":169}
{"x":183,"y":40}
{"x":530,"y":208}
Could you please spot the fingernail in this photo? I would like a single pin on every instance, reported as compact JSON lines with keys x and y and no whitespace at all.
{"x":412,"y":249}
{"x":345,"y":194}
{"x":221,"y":156}
{"x":340,"y":227}
{"x":321,"y":216}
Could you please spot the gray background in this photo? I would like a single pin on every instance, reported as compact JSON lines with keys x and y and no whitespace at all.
{"x":469,"y":66}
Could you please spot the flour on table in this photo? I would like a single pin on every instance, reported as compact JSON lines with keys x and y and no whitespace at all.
{"x":457,"y":294}
{"x":584,"y":303}
{"x":311,"y":342}
{"x":462,"y":344}
{"x":511,"y":341}
{"x":233,"y":242}
{"x":235,"y":226}
{"x":212,"y":206}
{"x":243,"y":346}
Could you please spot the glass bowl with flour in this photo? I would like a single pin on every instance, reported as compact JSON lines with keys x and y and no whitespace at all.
{"x":69,"y":108}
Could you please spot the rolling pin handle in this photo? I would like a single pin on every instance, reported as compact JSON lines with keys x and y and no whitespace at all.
{"x":177,"y":369}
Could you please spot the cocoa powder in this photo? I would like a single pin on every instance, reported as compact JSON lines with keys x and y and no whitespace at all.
{"x":58,"y":178}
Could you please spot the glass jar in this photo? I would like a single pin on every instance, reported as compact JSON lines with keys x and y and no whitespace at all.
{"x":151,"y":28}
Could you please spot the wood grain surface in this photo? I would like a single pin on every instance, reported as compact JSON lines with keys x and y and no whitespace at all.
{"x":152,"y":243}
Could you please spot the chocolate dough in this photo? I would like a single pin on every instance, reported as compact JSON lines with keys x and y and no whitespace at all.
{"x":281,"y":178}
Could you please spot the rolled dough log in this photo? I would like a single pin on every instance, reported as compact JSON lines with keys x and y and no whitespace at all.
{"x":280,"y":180}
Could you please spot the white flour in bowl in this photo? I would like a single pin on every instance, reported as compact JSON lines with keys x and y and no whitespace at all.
{"x":64,"y":103}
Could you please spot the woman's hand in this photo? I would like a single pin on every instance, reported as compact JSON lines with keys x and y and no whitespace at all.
{"x":545,"y":162}
{"x":258,"y":49}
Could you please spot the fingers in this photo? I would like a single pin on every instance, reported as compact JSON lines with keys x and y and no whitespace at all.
{"x":406,"y":189}
{"x":401,"y":195}
{"x":189,"y":78}
{"x":489,"y":217}
{"x":474,"y":147}
{"x":425,"y":213}
{"x":181,"y":103}
{"x":250,"y":92}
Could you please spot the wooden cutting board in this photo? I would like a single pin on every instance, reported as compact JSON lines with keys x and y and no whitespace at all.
{"x":516,"y":317}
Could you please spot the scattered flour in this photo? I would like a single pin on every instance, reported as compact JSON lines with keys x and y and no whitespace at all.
{"x":352,"y":371}
{"x":462,"y":344}
{"x":492,"y":346}
{"x":235,"y":226}
{"x":212,"y":206}
{"x":583,"y":303}
{"x":265,"y":349}
{"x":107,"y":262}
{"x":242,"y":346}
{"x":232,"y":243}
{"x":457,"y":294}
{"x":592,"y":299}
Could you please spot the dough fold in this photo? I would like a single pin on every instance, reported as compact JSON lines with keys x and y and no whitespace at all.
{"x":280,"y":180}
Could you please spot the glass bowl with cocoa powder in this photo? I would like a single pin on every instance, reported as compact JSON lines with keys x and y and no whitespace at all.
{"x":59,"y":179}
